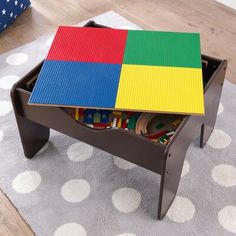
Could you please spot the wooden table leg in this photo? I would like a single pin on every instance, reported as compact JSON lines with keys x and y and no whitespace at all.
{"x":169,"y":184}
{"x":212,"y":100}
{"x":173,"y":164}
{"x":33,"y":135}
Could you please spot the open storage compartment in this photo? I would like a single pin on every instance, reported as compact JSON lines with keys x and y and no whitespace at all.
{"x":34,"y":123}
{"x":209,"y":67}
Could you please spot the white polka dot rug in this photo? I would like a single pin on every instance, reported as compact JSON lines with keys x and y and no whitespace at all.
{"x":73,"y":189}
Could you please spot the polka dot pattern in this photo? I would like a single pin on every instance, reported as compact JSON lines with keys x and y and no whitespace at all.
{"x":126,"y":200}
{"x":16,"y":59}
{"x":219,"y":139}
{"x":227,"y":218}
{"x":181,"y":210}
{"x":79,"y":152}
{"x":26,"y":182}
{"x":75,"y":190}
{"x":6,"y":107}
{"x":123,"y":164}
{"x":71,"y":229}
{"x":224,"y":175}
{"x":8,"y":81}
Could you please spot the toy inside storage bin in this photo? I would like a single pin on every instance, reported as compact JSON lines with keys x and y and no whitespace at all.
{"x":10,"y":10}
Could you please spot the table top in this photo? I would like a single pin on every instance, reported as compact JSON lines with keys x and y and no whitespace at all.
{"x":148,"y":71}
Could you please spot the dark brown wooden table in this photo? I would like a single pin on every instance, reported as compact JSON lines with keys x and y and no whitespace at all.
{"x":34,"y":124}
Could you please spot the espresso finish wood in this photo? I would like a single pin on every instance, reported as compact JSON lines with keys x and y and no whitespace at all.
{"x":177,"y":149}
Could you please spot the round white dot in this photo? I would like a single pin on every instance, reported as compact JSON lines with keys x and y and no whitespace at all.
{"x":26,"y":181}
{"x":79,"y":151}
{"x":75,"y":190}
{"x":224,"y":175}
{"x":126,"y":234}
{"x":16,"y":59}
{"x":123,"y":164}
{"x":8,"y":81}
{"x":49,"y":41}
{"x":5,"y":108}
{"x":220,"y":109}
{"x":227,"y":218}
{"x":126,"y":200}
{"x":126,"y":27}
{"x":181,"y":210}
{"x":1,"y":135}
{"x":219,"y":139}
{"x":70,"y":229}
{"x":185,"y":169}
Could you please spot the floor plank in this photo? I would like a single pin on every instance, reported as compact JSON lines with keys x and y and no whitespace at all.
{"x":11,"y":223}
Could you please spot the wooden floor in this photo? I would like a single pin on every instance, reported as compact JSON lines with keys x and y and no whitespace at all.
{"x":214,"y":21}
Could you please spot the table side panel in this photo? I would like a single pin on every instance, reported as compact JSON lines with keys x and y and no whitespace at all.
{"x":185,"y":134}
{"x":131,"y":147}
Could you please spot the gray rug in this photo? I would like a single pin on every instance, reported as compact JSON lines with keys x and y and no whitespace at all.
{"x":73,"y":189}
